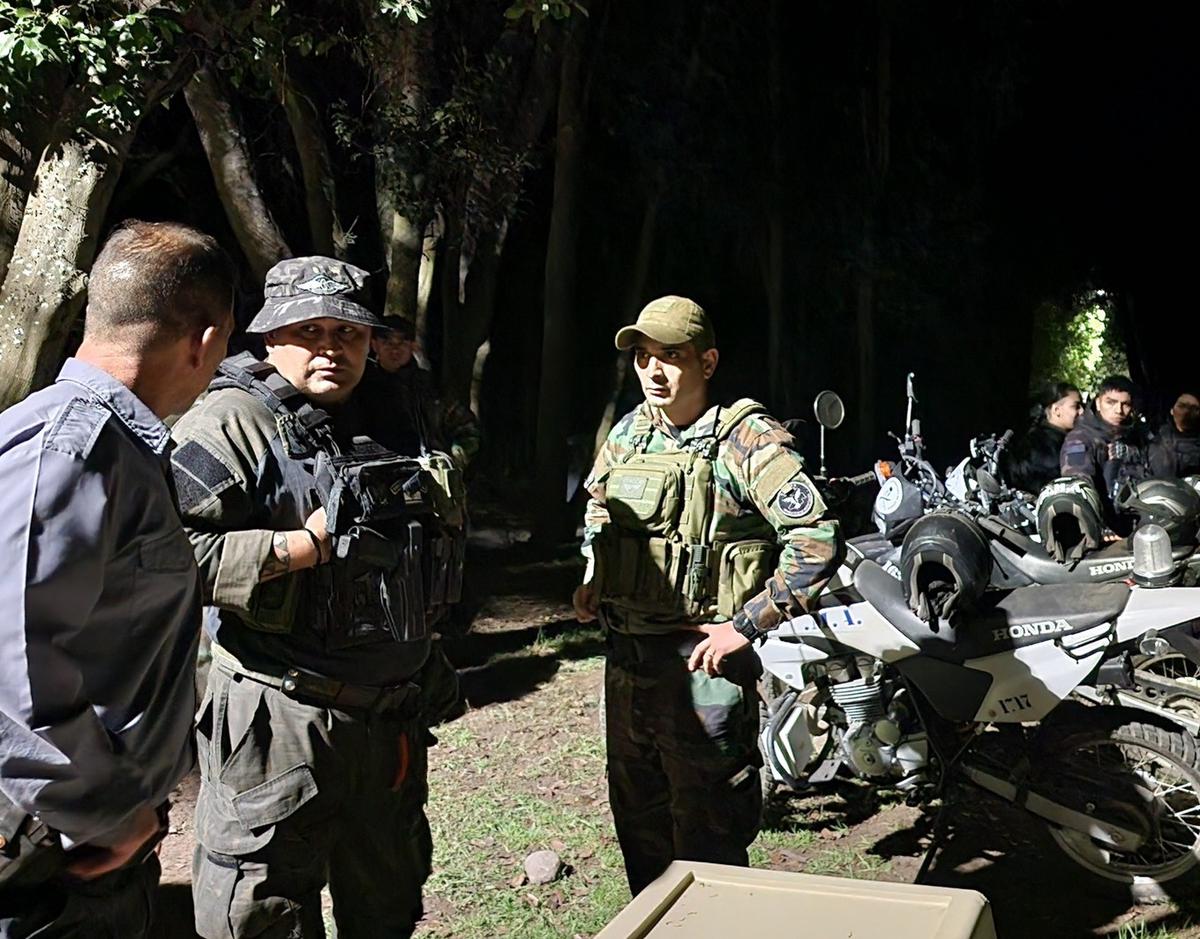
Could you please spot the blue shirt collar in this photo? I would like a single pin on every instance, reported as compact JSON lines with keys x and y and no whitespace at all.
{"x":127,"y":406}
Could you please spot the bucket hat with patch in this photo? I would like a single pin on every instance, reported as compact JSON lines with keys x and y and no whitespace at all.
{"x":300,"y":289}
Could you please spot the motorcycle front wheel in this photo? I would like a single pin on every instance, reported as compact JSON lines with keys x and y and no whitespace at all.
{"x":1141,"y":777}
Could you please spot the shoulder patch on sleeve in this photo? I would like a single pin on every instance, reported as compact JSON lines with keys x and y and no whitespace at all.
{"x":1075,"y":453}
{"x":199,"y":475}
{"x":76,"y":428}
{"x":795,"y":500}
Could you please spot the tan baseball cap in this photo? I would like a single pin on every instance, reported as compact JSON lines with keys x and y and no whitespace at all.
{"x":671,"y":321}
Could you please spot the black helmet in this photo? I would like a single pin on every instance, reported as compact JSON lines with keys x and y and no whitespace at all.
{"x":1171,"y":503}
{"x":1069,"y":518}
{"x":945,"y":565}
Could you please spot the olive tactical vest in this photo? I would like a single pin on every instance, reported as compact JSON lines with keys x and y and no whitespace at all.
{"x":396,"y":523}
{"x":658,"y":555}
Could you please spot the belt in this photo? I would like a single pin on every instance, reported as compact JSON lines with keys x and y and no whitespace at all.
{"x":320,"y":691}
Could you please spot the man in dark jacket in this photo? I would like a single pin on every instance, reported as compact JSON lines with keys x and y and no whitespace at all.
{"x":1176,"y":450}
{"x":1108,"y":445}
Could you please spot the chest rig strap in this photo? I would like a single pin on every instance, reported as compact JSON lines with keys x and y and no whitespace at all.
{"x":304,"y":428}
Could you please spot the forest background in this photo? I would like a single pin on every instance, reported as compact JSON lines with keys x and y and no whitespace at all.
{"x":985,"y":194}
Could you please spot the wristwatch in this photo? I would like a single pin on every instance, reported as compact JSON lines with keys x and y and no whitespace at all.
{"x":744,"y":625}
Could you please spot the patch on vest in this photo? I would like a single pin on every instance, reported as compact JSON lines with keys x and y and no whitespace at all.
{"x":630,"y":487}
{"x":324,"y":285}
{"x":795,"y":500}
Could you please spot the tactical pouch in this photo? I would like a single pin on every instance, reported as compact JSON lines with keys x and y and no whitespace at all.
{"x":378,"y":589}
{"x":444,"y":556}
{"x":646,"y":493}
{"x":273,"y":604}
{"x":445,"y":485}
{"x":743,"y":568}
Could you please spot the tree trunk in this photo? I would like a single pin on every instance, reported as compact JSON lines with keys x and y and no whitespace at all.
{"x":472,"y":259}
{"x":316,"y":165}
{"x":636,"y":298}
{"x":468,"y":304}
{"x":404,"y":242}
{"x":20,"y":150}
{"x":558,"y":322}
{"x":44,"y":287}
{"x":229,"y":158}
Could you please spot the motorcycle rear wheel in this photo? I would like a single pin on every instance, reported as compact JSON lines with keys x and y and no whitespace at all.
{"x":1138,"y":775}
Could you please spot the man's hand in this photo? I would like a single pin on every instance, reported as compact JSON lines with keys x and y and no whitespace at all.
{"x":94,"y":860}
{"x":720,"y":640}
{"x":586,"y":603}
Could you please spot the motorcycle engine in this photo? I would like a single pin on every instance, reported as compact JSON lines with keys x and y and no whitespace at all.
{"x":875,"y":742}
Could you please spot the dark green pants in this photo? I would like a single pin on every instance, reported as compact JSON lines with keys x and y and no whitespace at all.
{"x":294,"y":797}
{"x":118,"y":905}
{"x":683,"y":757}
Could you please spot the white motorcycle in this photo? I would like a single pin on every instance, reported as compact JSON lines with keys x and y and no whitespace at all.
{"x":867,"y":688}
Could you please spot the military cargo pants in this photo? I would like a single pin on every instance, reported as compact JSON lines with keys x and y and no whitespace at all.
{"x":683,"y":758}
{"x":293,"y":797}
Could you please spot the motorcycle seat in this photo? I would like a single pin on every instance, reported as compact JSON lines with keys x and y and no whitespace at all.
{"x":1005,"y":619}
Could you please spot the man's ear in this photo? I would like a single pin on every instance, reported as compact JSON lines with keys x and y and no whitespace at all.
{"x":200,"y":344}
{"x":708,"y":360}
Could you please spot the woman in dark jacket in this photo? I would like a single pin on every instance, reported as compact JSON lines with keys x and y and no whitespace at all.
{"x":1032,"y":459}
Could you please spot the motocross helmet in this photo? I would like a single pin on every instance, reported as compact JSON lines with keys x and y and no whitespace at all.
{"x":1171,"y":503}
{"x":945,"y":565}
{"x":1069,"y":518}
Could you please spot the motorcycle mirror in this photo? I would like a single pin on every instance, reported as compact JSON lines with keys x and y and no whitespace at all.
{"x":987,"y":482}
{"x":829,"y":409}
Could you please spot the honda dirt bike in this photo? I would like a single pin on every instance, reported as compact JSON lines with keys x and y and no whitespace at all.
{"x":1165,"y":684}
{"x":870,"y":690}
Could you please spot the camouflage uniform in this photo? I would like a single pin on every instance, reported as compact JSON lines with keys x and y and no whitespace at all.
{"x":323,"y":781}
{"x":683,"y":760}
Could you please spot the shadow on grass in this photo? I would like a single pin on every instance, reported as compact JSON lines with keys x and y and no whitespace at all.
{"x":1035,"y":889}
{"x":506,"y":666}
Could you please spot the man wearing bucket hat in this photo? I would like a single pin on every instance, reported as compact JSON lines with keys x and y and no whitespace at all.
{"x":702,"y":533}
{"x":311,"y":735}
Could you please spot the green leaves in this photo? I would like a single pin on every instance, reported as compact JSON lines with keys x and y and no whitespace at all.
{"x":98,"y":44}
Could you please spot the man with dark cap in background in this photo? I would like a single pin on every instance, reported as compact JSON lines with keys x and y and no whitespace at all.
{"x":100,"y":592}
{"x":313,"y":730}
{"x":703,"y":533}
{"x":1176,"y":449}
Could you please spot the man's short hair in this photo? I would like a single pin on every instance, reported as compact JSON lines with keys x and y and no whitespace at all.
{"x":162,"y":279}
{"x":1116,"y":383}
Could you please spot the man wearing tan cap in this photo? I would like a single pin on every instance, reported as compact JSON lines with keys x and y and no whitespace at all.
{"x":702,"y":533}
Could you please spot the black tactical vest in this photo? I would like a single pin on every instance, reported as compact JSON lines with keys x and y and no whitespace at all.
{"x":397,"y":558}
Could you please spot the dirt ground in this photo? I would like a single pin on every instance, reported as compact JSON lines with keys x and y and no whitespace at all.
{"x":522,"y":768}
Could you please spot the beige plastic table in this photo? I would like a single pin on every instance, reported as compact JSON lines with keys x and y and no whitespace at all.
{"x":693,"y":900}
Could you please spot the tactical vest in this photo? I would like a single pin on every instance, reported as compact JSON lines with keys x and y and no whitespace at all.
{"x":395,"y":521}
{"x":659,"y":555}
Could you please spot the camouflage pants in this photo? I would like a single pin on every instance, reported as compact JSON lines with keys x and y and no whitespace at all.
{"x":293,"y":797}
{"x":682,"y":755}
{"x":118,"y":905}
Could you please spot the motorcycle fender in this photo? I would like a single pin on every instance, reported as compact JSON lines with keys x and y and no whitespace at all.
{"x":1157,"y":608}
{"x":1182,"y":640}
